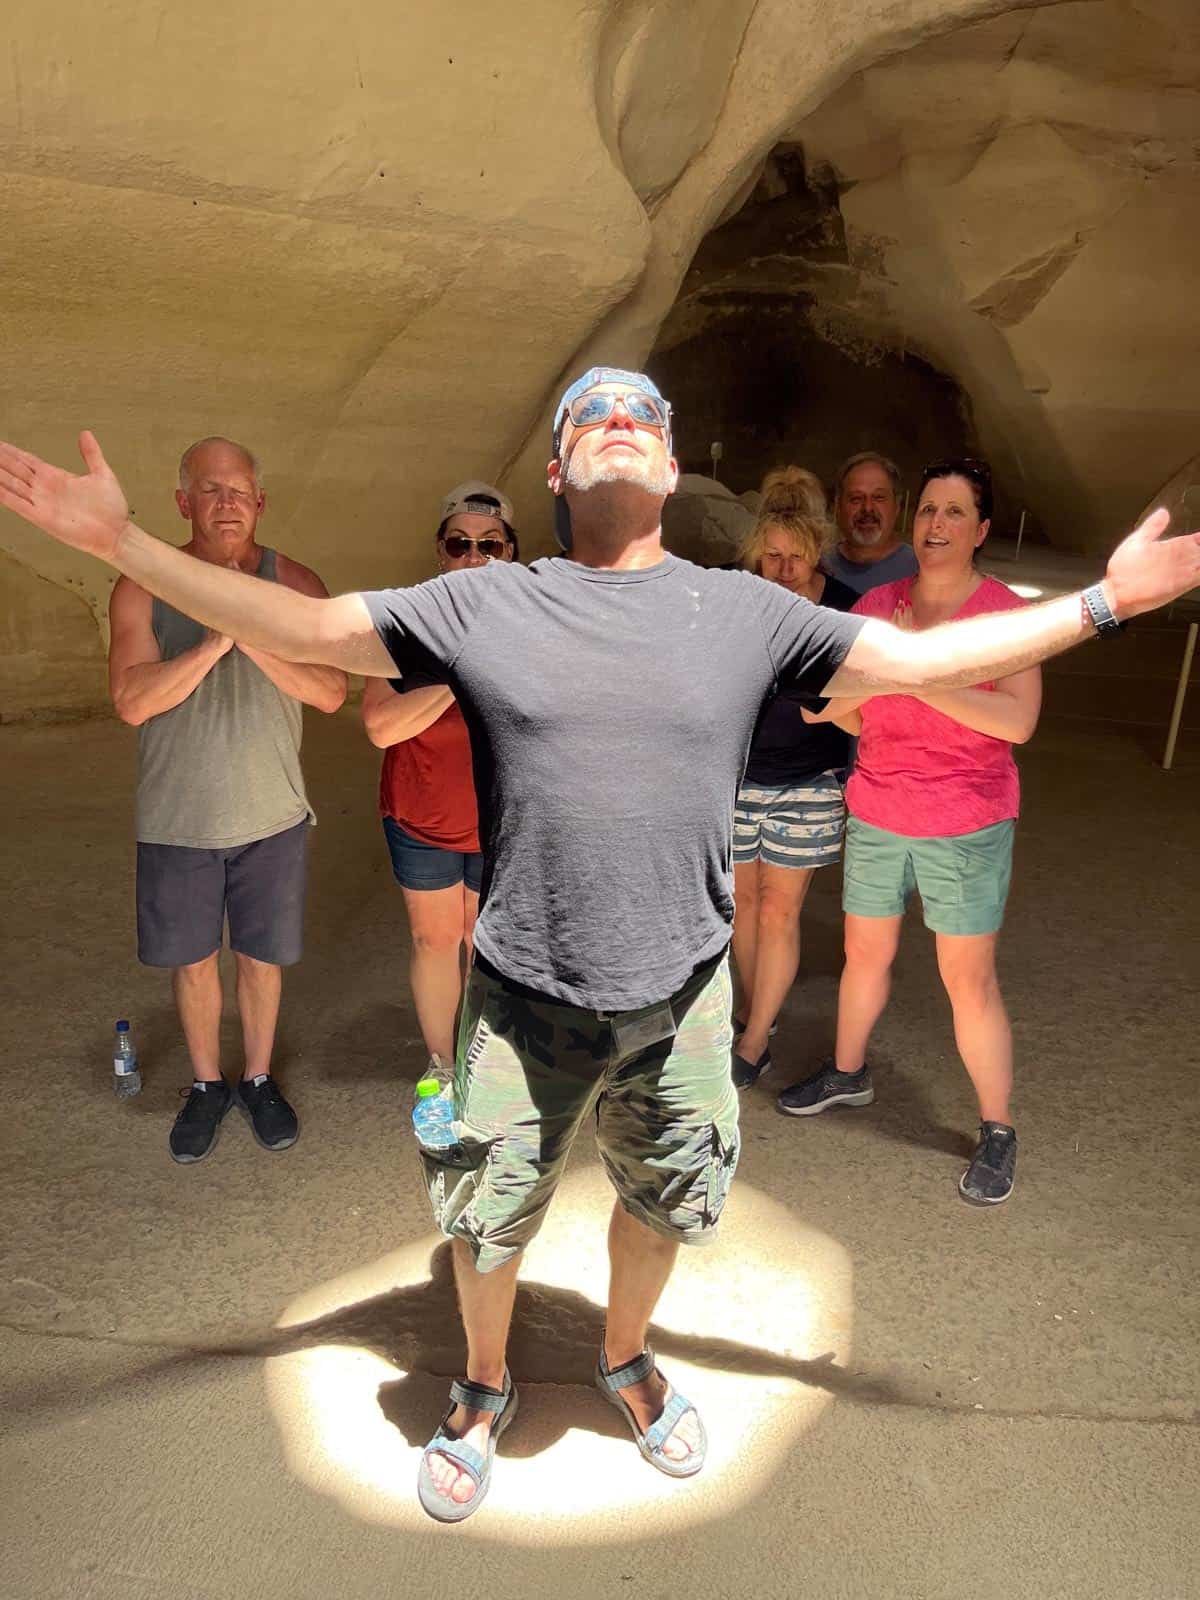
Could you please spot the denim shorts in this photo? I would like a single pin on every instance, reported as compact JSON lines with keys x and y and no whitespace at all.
{"x":528,"y":1074}
{"x":962,"y":879}
{"x":418,"y":865}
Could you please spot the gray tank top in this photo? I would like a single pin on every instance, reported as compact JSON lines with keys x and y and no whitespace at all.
{"x":222,"y":768}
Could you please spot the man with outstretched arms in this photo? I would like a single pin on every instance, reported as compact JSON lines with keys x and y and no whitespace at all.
{"x":222,"y":817}
{"x":611,"y":696}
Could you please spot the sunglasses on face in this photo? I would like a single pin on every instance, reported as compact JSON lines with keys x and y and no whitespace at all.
{"x":596,"y":406}
{"x":457,"y":545}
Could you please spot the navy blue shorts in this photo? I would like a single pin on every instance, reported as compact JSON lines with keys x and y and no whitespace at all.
{"x":427,"y":866}
{"x":184,"y":895}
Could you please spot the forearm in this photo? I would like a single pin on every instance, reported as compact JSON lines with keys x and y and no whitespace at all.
{"x":151,"y":687}
{"x":398,"y":717}
{"x":293,"y":626}
{"x":843,"y":712}
{"x":324,"y":688}
{"x":888,"y":660}
{"x":985,"y":711}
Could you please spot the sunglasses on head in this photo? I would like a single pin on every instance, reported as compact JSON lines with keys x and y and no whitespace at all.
{"x":457,"y":545}
{"x":589,"y":410}
{"x":960,"y":467}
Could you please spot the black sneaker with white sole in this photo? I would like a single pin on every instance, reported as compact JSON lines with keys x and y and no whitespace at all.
{"x":827,"y":1087}
{"x":275,"y":1125}
{"x":195,"y":1129}
{"x":989,"y":1178}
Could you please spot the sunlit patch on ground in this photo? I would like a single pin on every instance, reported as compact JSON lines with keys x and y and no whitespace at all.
{"x":748,"y":1329}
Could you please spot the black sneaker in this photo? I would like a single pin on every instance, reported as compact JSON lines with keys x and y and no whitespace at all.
{"x":194,"y":1131}
{"x":746,"y":1072}
{"x":827,"y":1087}
{"x":274,"y":1123}
{"x":989,"y":1178}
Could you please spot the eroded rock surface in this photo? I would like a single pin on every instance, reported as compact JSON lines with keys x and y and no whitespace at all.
{"x":372,"y":242}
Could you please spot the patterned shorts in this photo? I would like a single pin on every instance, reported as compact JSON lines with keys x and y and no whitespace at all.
{"x":790,"y":827}
{"x":529,"y":1072}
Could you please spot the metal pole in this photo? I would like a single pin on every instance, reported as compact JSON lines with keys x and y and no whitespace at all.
{"x":1181,"y":690}
{"x":1020,"y":535}
{"x":904,"y":514}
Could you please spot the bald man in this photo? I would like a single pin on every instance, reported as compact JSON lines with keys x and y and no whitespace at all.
{"x":222,"y":813}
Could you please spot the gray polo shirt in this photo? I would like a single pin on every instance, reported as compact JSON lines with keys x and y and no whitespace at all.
{"x":863,"y":575}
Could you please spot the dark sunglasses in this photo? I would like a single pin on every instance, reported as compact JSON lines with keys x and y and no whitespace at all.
{"x":457,"y":545}
{"x":970,"y":467}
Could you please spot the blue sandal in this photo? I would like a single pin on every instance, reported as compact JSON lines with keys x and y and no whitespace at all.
{"x":477,"y":1467}
{"x":660,"y":1430}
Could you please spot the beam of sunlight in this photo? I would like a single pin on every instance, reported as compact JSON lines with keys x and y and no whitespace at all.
{"x":749,"y":1328}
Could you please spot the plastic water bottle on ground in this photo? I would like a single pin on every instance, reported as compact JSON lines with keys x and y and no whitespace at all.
{"x":127,"y":1080}
{"x":433,"y":1116}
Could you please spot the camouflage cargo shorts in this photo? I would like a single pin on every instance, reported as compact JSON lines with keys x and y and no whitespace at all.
{"x":529,"y":1072}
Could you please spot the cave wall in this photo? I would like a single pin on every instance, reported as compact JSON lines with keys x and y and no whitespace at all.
{"x":372,"y":241}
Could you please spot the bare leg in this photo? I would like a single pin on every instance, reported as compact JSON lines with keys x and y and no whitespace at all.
{"x":435,"y":918}
{"x":780,"y":901}
{"x":259,"y":987}
{"x":470,"y":912}
{"x":871,"y":945}
{"x":967,"y":963}
{"x":197,"y":991}
{"x":745,"y":928}
{"x":640,"y":1263}
{"x":485,"y":1300}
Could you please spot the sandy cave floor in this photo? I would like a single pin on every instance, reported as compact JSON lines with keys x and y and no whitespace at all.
{"x":216,"y":1379}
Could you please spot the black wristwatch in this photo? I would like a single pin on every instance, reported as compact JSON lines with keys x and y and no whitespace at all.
{"x":1096,"y":608}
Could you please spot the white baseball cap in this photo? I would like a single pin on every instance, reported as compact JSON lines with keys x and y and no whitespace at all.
{"x":465,"y":497}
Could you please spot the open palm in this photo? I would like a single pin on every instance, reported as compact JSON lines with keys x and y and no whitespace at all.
{"x":85,"y":510}
{"x":1146,"y":570}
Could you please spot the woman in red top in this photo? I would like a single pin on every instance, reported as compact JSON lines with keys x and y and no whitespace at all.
{"x":426,"y":788}
{"x":933,"y":801}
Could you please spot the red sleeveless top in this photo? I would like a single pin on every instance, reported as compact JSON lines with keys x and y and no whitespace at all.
{"x":426,"y":785}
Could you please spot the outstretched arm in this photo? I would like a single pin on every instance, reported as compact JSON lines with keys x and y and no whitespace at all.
{"x":321,"y":687}
{"x":89,"y":512}
{"x":1145,"y":571}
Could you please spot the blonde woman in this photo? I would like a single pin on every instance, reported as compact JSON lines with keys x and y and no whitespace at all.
{"x":790,"y":815}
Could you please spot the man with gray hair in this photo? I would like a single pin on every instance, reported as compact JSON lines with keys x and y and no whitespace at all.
{"x":222,"y":815}
{"x":866,"y":506}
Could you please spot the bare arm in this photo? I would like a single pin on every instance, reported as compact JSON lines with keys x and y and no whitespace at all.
{"x":1009,"y":711}
{"x":89,"y":512}
{"x":843,"y":712}
{"x":1144,"y":571}
{"x":322,"y":687}
{"x":390,"y":717}
{"x":141,"y":683}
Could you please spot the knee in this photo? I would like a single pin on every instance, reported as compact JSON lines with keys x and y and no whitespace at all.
{"x":437,"y":941}
{"x":777,"y":913}
{"x":251,"y":970}
{"x":867,"y":954}
{"x":197,"y":973}
{"x":971,"y":990}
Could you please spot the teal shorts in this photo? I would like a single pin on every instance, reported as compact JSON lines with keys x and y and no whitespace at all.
{"x":962,"y":879}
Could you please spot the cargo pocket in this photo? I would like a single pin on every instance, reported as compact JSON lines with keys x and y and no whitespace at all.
{"x":456,"y":1190}
{"x":722,"y":1163}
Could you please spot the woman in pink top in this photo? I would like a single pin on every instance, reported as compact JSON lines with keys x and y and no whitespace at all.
{"x":933,"y":800}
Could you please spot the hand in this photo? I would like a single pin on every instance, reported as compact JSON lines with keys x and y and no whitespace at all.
{"x":219,"y":643}
{"x":88,"y":512}
{"x":1146,"y":570}
{"x":902,"y":616}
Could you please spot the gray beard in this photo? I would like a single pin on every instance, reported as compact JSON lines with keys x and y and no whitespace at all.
{"x":866,"y":538}
{"x":635,"y":471}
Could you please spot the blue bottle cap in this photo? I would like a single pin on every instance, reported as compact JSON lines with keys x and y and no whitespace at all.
{"x":122,"y":1026}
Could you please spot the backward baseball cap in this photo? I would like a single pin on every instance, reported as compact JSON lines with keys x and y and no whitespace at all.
{"x":473,"y":496}
{"x":592,"y":379}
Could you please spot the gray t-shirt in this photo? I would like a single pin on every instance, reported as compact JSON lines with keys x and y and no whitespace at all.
{"x":610,"y":715}
{"x":863,"y":575}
